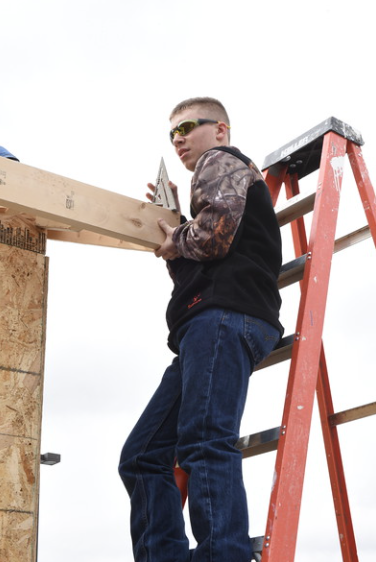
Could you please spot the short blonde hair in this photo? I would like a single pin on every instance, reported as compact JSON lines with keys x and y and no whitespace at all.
{"x":213,"y":107}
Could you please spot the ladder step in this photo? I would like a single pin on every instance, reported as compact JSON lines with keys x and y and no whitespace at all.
{"x":352,"y":238}
{"x":259,"y":443}
{"x":257,"y":544}
{"x":303,"y":154}
{"x":295,"y":207}
{"x":302,"y":204}
{"x":281,"y":353}
{"x":353,"y":414}
{"x":292,"y":271}
{"x":267,"y":440}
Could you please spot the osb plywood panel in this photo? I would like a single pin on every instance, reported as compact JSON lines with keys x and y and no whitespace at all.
{"x":20,"y":403}
{"x":22,"y":296}
{"x":14,"y":220}
{"x":21,"y":231}
{"x":19,"y":460}
{"x":17,"y":537}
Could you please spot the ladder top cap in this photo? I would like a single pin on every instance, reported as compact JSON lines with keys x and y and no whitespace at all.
{"x":303,"y":153}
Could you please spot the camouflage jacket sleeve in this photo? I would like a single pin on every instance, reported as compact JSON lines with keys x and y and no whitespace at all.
{"x":218,"y":197}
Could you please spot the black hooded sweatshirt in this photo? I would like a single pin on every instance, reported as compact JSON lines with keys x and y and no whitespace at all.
{"x":231,"y":249}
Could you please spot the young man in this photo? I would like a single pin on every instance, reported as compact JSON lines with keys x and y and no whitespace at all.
{"x":223,"y":320}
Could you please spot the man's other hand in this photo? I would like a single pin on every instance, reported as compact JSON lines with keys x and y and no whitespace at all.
{"x":168,"y":250}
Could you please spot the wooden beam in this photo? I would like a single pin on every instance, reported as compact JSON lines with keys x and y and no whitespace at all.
{"x":53,"y":230}
{"x":81,"y":207}
{"x":92,"y":238}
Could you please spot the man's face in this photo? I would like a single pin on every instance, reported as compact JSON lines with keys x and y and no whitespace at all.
{"x":190,"y":147}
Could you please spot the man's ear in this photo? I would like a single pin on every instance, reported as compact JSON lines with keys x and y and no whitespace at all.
{"x":221,"y":131}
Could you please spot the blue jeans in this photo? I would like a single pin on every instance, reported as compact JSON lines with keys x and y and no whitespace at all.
{"x":195,"y":416}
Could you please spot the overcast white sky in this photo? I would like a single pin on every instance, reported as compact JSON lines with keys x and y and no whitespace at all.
{"x":86,"y":90}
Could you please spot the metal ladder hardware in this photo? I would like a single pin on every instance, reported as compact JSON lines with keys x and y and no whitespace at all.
{"x":257,"y":545}
{"x":292,"y":271}
{"x":281,"y":353}
{"x":302,"y":155}
{"x":294,"y":208}
{"x":322,"y":148}
{"x":259,"y":443}
{"x":353,"y":414}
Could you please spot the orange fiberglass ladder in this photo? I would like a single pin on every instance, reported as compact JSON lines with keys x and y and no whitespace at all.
{"x":323,"y":148}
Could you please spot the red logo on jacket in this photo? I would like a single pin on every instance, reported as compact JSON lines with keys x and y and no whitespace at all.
{"x":195,"y":300}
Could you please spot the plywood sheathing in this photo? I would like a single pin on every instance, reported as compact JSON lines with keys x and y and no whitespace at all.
{"x":23,"y":293}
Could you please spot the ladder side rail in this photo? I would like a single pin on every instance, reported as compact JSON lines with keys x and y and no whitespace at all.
{"x":284,"y":508}
{"x":326,"y":409}
{"x":366,"y":191}
{"x":298,"y":229}
{"x":274,"y":182}
{"x":181,"y":479}
{"x":346,"y":534}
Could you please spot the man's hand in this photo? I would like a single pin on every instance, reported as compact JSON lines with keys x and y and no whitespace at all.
{"x":168,"y":250}
{"x":174,"y":189}
{"x":150,"y":196}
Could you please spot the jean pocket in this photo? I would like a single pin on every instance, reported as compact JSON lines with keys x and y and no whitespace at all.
{"x":261,"y":338}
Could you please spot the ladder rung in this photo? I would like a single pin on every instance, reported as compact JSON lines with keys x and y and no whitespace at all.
{"x":257,"y":544}
{"x":281,"y":353}
{"x":353,"y":414}
{"x":292,"y":271}
{"x":353,"y":238}
{"x":259,"y":443}
{"x":301,"y":204}
{"x":295,"y":207}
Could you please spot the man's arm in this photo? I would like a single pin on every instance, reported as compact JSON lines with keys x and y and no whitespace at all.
{"x":219,"y":191}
